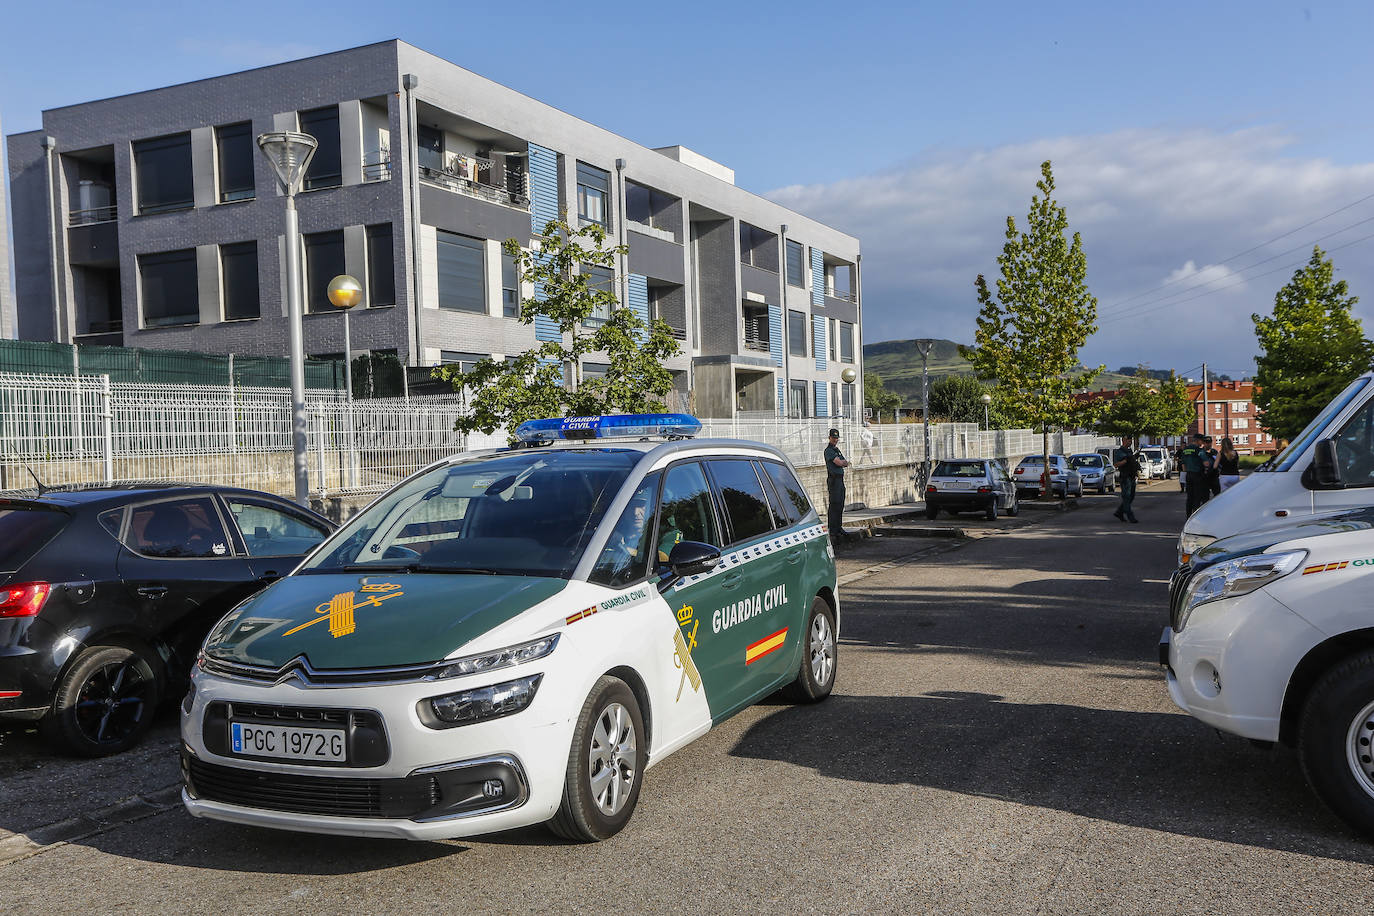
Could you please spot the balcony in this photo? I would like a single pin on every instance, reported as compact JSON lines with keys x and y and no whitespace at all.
{"x":756,"y":333}
{"x":377,"y":165}
{"x":514,"y":193}
{"x":92,"y":215}
{"x":844,"y":295}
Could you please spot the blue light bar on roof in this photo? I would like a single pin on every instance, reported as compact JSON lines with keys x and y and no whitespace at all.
{"x":614,"y":426}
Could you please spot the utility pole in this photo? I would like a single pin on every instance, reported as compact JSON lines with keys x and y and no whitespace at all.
{"x":1202,"y":427}
{"x":925,"y":409}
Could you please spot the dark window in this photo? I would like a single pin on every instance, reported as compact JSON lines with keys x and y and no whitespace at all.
{"x":177,"y":528}
{"x":239,"y":272}
{"x":462,"y":272}
{"x":234,"y":143}
{"x":685,"y":510}
{"x":601,"y":279}
{"x":326,"y":168}
{"x":1355,"y":449}
{"x":465,"y":362}
{"x":430,"y":143}
{"x":324,"y":260}
{"x":638,"y":208}
{"x":797,"y":402}
{"x":593,"y":194}
{"x":796,"y":264}
{"x":269,"y":531}
{"x":756,"y":330}
{"x":163,"y":170}
{"x":796,"y":333}
{"x":24,"y":532}
{"x":742,"y":497}
{"x":171,"y":294}
{"x":626,"y":557}
{"x":381,"y":270}
{"x":846,"y":342}
{"x":510,"y":287}
{"x":785,"y":482}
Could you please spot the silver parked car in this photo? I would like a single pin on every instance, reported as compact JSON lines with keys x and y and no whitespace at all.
{"x":1064,"y":480}
{"x":970,"y":485}
{"x":1097,"y":472}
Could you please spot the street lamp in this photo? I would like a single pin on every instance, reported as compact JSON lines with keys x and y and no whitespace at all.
{"x":986,"y":399}
{"x":344,"y":293}
{"x":290,"y":153}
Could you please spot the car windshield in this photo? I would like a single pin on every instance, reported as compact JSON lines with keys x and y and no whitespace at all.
{"x":1154,"y":454}
{"x":959,"y":469}
{"x":1086,"y":461}
{"x":525,"y":513}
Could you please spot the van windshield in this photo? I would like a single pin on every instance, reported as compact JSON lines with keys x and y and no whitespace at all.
{"x":1299,"y":445}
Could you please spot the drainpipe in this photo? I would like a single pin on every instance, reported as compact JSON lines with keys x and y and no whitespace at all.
{"x":858,"y":332}
{"x":49,"y":144}
{"x":620,"y":232}
{"x":409,"y":82}
{"x":782,"y":287}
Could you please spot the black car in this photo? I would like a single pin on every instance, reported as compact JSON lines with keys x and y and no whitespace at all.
{"x":106,"y":594}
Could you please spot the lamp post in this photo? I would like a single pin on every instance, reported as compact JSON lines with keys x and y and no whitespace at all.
{"x":290,"y":153}
{"x":986,"y":399}
{"x":924,"y":347}
{"x":344,"y":293}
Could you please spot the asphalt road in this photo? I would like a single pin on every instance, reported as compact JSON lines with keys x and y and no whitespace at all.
{"x":1000,"y":740}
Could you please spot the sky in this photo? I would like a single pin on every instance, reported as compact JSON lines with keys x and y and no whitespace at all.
{"x":1201,"y":149}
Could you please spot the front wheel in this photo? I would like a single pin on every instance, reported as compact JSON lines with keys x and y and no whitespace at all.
{"x":605,"y":764}
{"x":1336,"y":741}
{"x":819,"y":656}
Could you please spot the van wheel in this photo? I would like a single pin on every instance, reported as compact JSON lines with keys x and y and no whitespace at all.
{"x":605,"y":764}
{"x":105,"y":702}
{"x":820,"y":656}
{"x":1336,"y":741}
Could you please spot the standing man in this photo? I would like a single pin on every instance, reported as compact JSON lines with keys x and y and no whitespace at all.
{"x":1213,"y":472}
{"x":1127,"y":465}
{"x":1195,"y":466}
{"x":835,"y":463}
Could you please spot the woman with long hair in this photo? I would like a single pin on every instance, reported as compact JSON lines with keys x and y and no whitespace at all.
{"x":1228,"y":465}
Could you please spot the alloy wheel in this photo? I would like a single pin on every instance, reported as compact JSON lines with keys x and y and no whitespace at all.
{"x":113,"y":701}
{"x":612,"y":758}
{"x":822,"y":650}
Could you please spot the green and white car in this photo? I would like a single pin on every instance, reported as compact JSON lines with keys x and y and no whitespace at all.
{"x":512,"y":637}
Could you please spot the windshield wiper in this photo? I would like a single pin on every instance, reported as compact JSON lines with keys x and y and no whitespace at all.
{"x":462,"y":570}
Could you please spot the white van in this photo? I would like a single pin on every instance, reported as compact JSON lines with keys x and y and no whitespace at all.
{"x":1328,"y":467}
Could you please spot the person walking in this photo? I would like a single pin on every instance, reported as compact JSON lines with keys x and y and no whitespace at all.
{"x":1213,"y":476}
{"x":835,"y":463}
{"x":1127,"y":463}
{"x":1195,"y":469}
{"x":1228,"y":465}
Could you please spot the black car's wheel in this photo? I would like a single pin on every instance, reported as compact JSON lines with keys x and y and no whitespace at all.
{"x":105,"y":702}
{"x":820,"y":656}
{"x":605,"y":764}
{"x":931,"y":511}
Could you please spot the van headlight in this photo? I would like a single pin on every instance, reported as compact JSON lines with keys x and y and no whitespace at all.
{"x":500,"y":658}
{"x":480,"y":703}
{"x":1189,"y":544}
{"x":1237,"y":577}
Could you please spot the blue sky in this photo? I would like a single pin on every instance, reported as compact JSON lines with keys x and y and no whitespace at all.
{"x":1182,"y":133}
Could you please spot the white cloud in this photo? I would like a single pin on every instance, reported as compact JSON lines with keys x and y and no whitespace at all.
{"x":1145,"y":201}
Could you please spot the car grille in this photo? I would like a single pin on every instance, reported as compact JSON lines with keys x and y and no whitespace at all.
{"x":324,"y":795}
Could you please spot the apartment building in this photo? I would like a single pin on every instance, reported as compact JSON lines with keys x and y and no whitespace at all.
{"x":152,"y":220}
{"x":1229,"y":409}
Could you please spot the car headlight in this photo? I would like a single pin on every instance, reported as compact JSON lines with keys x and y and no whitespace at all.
{"x":1189,"y":544}
{"x":480,"y":703}
{"x":1237,"y":577}
{"x":501,"y":658}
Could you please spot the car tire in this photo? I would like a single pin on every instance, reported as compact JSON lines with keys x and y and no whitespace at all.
{"x":1015,"y":508}
{"x":932,"y":512}
{"x":105,"y":702}
{"x":1336,"y":741}
{"x":1102,"y":490}
{"x":819,"y":657}
{"x":991,"y":513}
{"x":609,"y":740}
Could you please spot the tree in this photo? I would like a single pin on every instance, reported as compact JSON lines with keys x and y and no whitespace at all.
{"x":958,"y":399}
{"x":1311,"y":345}
{"x":1028,"y":337}
{"x":590,"y":321}
{"x":879,"y":398}
{"x":1149,"y":407}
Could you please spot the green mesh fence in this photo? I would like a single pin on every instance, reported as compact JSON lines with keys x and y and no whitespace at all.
{"x":183,"y":367}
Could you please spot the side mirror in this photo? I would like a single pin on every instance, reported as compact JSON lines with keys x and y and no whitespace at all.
{"x":689,"y":558}
{"x":1326,"y":470}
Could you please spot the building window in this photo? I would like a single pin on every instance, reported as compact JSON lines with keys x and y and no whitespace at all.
{"x":171,"y":293}
{"x":462,"y":272}
{"x":595,"y":370}
{"x":238,"y":267}
{"x":847,"y":404}
{"x":465,"y":362}
{"x":796,"y":402}
{"x":234,"y":149}
{"x":1216,"y":408}
{"x":429,"y":143}
{"x":381,"y":266}
{"x":1241,"y":407}
{"x":324,"y":260}
{"x":758,"y":247}
{"x":600,"y":279}
{"x":1240,"y":424}
{"x":796,"y":264}
{"x":510,"y":287}
{"x":846,"y":342}
{"x":593,"y":192}
{"x":834,"y":340}
{"x":326,"y":168}
{"x":163,"y":171}
{"x":1242,"y":440}
{"x":796,"y":333}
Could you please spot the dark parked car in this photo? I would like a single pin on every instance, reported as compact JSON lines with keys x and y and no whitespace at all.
{"x":970,"y":485}
{"x":107,"y":593}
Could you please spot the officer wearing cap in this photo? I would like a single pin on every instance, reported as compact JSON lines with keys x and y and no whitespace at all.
{"x":835,"y":463}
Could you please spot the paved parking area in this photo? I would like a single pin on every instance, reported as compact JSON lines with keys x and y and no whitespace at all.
{"x":1000,"y":740}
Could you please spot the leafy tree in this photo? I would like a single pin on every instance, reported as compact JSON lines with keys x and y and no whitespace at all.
{"x":1028,"y":337}
{"x":879,"y":398}
{"x":1311,"y":348}
{"x":591,"y":322}
{"x":959,"y":399}
{"x":1148,"y":407}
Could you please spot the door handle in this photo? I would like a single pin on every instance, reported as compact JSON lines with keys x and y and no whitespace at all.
{"x":732,"y":581}
{"x":152,"y":591}
{"x":795,"y":555}
{"x":270,"y":576}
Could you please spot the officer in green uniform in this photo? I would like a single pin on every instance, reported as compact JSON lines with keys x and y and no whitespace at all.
{"x":835,"y":463}
{"x":1195,"y":461}
{"x":1128,"y":469}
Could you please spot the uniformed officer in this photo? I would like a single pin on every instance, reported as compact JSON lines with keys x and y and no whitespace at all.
{"x":1195,"y":463}
{"x":835,"y":463}
{"x":1127,"y":463}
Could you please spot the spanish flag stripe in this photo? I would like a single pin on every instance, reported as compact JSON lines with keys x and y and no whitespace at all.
{"x":1312,"y":569}
{"x":573,"y":618}
{"x":758,"y":650}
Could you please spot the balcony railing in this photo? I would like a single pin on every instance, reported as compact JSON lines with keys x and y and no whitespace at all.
{"x":755,"y":341}
{"x":515,"y":193}
{"x":846,"y":295}
{"x":93,"y":215}
{"x":377,"y":171}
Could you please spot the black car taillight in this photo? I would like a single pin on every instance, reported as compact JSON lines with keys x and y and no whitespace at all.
{"x":23,"y":600}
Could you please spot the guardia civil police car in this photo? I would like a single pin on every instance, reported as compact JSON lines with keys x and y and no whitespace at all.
{"x":514,"y":636}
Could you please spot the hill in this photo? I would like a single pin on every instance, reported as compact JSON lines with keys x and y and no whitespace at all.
{"x":899,"y":364}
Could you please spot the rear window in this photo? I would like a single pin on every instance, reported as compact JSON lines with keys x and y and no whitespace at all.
{"x":788,"y":489}
{"x":742,"y":495}
{"x":26,"y":530}
{"x":1086,"y":461}
{"x":959,"y":469}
